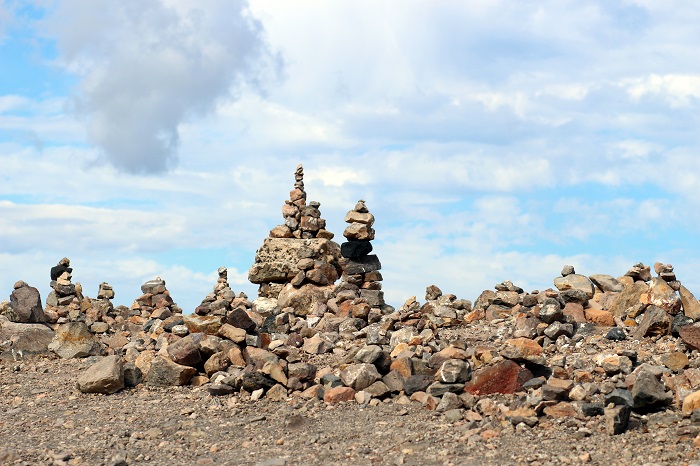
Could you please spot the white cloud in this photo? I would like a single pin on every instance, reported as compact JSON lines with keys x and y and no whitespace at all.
{"x":146,"y":68}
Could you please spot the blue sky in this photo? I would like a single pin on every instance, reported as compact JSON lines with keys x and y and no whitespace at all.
{"x":492,"y":140}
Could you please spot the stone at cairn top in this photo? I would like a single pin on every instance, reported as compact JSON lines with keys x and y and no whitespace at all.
{"x":301,"y":220}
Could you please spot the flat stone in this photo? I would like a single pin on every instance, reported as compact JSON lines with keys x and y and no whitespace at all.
{"x":202,"y":324}
{"x":364,"y":264}
{"x":355,"y":249}
{"x":599,"y":316}
{"x":606,"y":283}
{"x":235,"y":334}
{"x":278,"y":258}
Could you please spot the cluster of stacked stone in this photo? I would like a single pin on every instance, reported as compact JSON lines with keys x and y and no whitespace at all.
{"x":440,"y":310}
{"x":548,"y":355}
{"x":301,"y":220}
{"x":63,"y":302}
{"x":299,"y":252}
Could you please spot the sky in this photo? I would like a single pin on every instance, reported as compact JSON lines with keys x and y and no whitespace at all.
{"x":492,"y":140}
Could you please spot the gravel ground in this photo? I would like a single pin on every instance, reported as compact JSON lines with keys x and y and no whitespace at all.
{"x":46,"y":420}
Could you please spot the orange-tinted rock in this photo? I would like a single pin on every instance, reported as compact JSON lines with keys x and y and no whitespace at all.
{"x":599,"y":317}
{"x":338,"y":394}
{"x":504,"y":377}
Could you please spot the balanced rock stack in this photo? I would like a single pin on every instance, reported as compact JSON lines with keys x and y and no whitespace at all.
{"x":359,"y":267}
{"x":301,"y":220}
{"x":298,"y":253}
{"x":63,"y":303}
{"x":218,"y":302}
{"x":155,"y":302}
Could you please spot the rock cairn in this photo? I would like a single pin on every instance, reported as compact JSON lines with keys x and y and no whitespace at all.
{"x":155,"y":302}
{"x":301,"y":220}
{"x":63,"y":303}
{"x":298,"y":255}
{"x":218,"y":302}
{"x":360,"y":268}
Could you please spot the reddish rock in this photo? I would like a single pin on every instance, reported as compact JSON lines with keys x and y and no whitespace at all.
{"x":690,"y":334}
{"x":575,"y":311}
{"x":600,"y":317}
{"x":338,"y":394}
{"x":504,"y":377}
{"x":629,"y":297}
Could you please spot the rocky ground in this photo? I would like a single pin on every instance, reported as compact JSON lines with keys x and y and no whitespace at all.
{"x":47,"y":420}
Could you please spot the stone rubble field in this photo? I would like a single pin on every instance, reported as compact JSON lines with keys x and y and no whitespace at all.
{"x":318,"y":369}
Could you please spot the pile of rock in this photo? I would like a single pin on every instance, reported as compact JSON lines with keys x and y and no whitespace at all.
{"x":360,"y":268}
{"x":301,"y":220}
{"x":155,"y":302}
{"x":218,"y":302}
{"x":440,"y":310}
{"x":298,"y":255}
{"x":63,"y":303}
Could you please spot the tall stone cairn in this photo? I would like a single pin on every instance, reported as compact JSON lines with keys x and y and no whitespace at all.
{"x":360,"y":268}
{"x":300,"y":251}
{"x":301,"y":220}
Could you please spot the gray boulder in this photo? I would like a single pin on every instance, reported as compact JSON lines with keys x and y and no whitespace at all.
{"x":26,"y":303}
{"x":74,"y":340}
{"x":105,"y":376}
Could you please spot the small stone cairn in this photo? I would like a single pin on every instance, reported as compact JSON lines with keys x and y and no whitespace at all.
{"x":63,"y":303}
{"x":218,"y":302}
{"x":155,"y":302}
{"x":301,"y":220}
{"x":359,"y":267}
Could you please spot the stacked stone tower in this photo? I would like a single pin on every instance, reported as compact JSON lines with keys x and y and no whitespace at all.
{"x":301,"y":220}
{"x":360,"y":268}
{"x":298,"y":253}
{"x":63,"y":303}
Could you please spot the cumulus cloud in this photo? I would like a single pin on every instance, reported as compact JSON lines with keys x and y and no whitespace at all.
{"x":147,"y":67}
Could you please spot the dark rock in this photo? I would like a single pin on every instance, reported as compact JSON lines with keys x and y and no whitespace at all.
{"x":355,"y":249}
{"x":239,"y":318}
{"x":252,"y":381}
{"x":616,"y":334}
{"x":58,"y":270}
{"x":649,"y":392}
{"x":26,"y":302}
{"x":592,"y":409}
{"x":132,"y":375}
{"x":437,"y":389}
{"x":164,"y":372}
{"x":416,"y":383}
{"x":361,"y":265}
{"x":220,"y":389}
{"x":620,"y":396}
